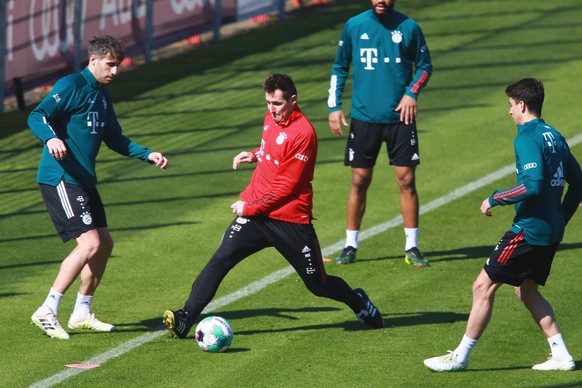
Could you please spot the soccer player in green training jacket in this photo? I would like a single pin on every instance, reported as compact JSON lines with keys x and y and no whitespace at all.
{"x":71,"y":122}
{"x":523,"y":257}
{"x":390,"y":65}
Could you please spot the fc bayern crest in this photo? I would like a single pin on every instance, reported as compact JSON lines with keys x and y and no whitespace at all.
{"x":281,"y":138}
{"x":396,"y":36}
{"x":86,"y":217}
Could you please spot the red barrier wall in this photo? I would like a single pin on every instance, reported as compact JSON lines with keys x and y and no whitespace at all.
{"x":40,"y":40}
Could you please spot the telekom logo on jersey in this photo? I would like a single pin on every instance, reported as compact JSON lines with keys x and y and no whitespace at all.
{"x":93,"y":122}
{"x":369,"y":56}
{"x":50,"y":22}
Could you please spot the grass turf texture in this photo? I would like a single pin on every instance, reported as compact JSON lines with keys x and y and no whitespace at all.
{"x":202,"y":108}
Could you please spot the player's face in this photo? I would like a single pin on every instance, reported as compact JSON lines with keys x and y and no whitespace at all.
{"x":382,"y":7}
{"x":516,"y":110}
{"x":278,"y":106}
{"x":104,"y":69}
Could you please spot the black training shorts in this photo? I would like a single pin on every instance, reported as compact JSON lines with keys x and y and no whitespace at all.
{"x":514,"y":260}
{"x":365,"y":140}
{"x":73,"y":209}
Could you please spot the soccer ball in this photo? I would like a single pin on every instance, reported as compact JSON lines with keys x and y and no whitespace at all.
{"x":214,"y":334}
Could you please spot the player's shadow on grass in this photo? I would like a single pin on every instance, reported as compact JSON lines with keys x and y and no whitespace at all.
{"x":32,"y":264}
{"x":481,"y":252}
{"x":423,"y":318}
{"x":145,"y":326}
{"x":121,"y":229}
{"x":287,"y":314}
{"x":573,"y":384}
{"x":394,"y":320}
{"x":465,"y":253}
{"x":11,"y":294}
{"x":284,"y":313}
{"x":527,"y":367}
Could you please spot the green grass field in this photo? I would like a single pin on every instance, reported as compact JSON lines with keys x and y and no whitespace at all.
{"x":202,"y":108}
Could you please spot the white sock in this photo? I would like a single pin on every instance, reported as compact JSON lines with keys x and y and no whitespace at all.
{"x":558,"y":347}
{"x":51,"y":303}
{"x":411,"y":238}
{"x":352,"y":238}
{"x":82,"y":306}
{"x":463,"y":351}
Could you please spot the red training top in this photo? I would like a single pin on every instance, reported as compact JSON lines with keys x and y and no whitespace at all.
{"x":280,"y":187}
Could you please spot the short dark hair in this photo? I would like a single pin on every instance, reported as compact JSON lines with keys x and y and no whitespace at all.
{"x":280,"y":82}
{"x":530,"y":91}
{"x":106,"y":44}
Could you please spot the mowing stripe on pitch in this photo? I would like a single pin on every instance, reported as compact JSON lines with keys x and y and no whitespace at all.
{"x":278,"y":275}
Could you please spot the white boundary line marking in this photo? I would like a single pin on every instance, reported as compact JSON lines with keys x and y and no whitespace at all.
{"x":282,"y":273}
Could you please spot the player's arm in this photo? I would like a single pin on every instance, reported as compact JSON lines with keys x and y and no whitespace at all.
{"x":116,"y":141}
{"x":423,"y":70}
{"x":159,"y":160}
{"x":54,"y":105}
{"x":407,"y":109}
{"x":238,"y":207}
{"x":287,"y":182}
{"x":573,"y":197}
{"x":422,"y":63}
{"x":520,"y":192}
{"x":244,"y":157}
{"x":517,"y":193}
{"x":529,"y":180}
{"x":339,"y":75}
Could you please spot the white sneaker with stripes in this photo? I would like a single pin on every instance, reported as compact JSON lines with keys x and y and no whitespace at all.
{"x":90,"y":323}
{"x":50,"y":325}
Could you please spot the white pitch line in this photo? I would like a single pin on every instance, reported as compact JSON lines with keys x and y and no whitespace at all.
{"x":282,"y":273}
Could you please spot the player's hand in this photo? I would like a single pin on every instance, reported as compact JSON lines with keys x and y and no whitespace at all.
{"x":57,"y":148}
{"x":159,"y":160}
{"x":336,"y":119}
{"x":238,"y":207}
{"x":485,"y":207}
{"x":407,"y":109}
{"x":243,"y":157}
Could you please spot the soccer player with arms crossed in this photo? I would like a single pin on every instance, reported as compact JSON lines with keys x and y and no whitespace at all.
{"x":275,"y":210}
{"x":523,"y":257}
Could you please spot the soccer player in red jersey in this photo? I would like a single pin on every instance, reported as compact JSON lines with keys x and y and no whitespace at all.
{"x":275,"y":210}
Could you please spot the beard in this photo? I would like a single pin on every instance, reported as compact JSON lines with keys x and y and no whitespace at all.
{"x":386,"y":12}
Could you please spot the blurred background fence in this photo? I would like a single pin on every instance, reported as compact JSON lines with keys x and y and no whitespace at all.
{"x":44,"y":39}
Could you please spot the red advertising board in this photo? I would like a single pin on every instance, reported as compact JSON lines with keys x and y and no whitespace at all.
{"x":40,"y":33}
